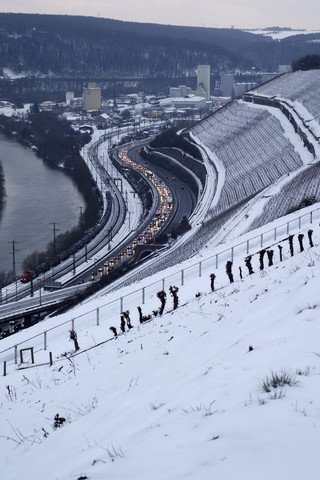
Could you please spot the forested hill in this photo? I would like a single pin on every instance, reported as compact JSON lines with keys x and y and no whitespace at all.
{"x":88,"y":47}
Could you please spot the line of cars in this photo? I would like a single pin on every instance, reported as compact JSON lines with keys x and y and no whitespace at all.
{"x":153,"y":228}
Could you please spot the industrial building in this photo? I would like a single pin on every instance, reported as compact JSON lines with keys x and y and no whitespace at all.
{"x":203,"y":81}
{"x":191,"y":102}
{"x":181,"y":91}
{"x":226,"y":84}
{"x":241,"y":88}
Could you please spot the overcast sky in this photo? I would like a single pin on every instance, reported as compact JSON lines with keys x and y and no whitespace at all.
{"x":208,"y":13}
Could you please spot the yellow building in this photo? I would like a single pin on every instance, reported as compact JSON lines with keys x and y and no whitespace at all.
{"x":92,"y":97}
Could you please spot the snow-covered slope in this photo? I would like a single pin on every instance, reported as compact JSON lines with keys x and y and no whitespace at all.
{"x":225,"y":386}
{"x":260,"y":151}
{"x":250,"y":148}
{"x":301,"y":89}
{"x":300,"y":85}
{"x":180,"y":396}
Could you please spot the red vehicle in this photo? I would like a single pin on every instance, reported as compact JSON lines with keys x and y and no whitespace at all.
{"x":27,"y":276}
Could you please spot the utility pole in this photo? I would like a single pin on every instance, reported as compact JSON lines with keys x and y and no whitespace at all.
{"x":55,"y":230}
{"x":14,"y":250}
{"x":81,"y":215}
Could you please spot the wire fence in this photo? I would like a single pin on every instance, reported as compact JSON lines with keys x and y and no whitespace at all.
{"x":286,"y":236}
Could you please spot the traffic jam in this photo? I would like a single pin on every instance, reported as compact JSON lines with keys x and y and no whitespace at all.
{"x":149,"y":233}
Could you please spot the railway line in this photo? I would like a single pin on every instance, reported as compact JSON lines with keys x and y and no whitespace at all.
{"x":101,"y":239}
{"x":114,"y":245}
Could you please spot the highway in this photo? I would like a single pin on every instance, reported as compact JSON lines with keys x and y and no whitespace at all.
{"x":110,"y":248}
{"x":146,"y":232}
{"x":183,"y":198}
{"x":100,"y":240}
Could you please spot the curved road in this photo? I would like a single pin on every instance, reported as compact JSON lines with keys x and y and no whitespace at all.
{"x":161,"y":181}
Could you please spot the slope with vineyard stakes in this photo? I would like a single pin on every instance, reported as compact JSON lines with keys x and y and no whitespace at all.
{"x":258,"y":151}
{"x":211,"y":389}
{"x":300,"y":89}
{"x":207,"y":369}
{"x":258,"y":166}
{"x":302,"y":190}
{"x":249,"y":148}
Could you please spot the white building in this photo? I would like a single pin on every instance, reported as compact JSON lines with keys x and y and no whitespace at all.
{"x":104,"y":120}
{"x":203,"y":81}
{"x":181,"y":91}
{"x":191,"y":102}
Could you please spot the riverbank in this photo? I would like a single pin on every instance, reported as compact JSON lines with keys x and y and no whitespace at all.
{"x":58,"y":146}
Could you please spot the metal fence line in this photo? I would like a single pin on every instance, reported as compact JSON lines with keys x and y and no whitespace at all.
{"x":180,"y":275}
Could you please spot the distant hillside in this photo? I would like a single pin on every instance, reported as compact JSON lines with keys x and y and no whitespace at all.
{"x":268,"y":56}
{"x":74,"y":49}
{"x":86,"y":46}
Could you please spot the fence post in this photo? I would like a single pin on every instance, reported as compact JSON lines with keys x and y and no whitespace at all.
{"x":217,"y":262}
{"x":4,"y":368}
{"x":287,"y":228}
{"x":72,"y":323}
{"x":310,"y":217}
{"x":231,"y":254}
{"x":45,"y":340}
{"x":182,"y":277}
{"x":16,"y":354}
{"x":163,"y":285}
{"x":299,"y":223}
{"x":98,"y":319}
{"x":261,"y":243}
{"x":143,"y":295}
{"x":121,"y":305}
{"x":275,"y":233}
{"x":50,"y":359}
{"x":200,"y":269}
{"x":248,"y":247}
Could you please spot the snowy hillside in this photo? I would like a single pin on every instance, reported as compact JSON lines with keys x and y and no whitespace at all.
{"x":224,"y":383}
{"x":250,"y":148}
{"x":301,"y":188}
{"x":258,"y":169}
{"x":226,"y":386}
{"x":301,"y":89}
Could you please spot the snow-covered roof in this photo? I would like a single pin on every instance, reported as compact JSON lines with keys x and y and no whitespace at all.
{"x":105,"y":116}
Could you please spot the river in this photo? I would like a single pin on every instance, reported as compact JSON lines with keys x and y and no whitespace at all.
{"x":36,"y":196}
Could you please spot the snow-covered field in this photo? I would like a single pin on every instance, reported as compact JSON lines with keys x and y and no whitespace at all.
{"x":181,"y":396}
{"x":280,"y":34}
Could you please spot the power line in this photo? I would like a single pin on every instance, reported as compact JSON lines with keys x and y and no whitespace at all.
{"x":14,"y":250}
